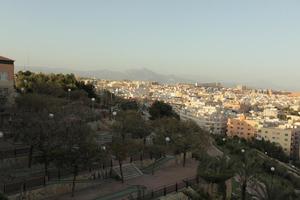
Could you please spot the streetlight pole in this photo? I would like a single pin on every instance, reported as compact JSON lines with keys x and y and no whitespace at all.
{"x":114,"y":114}
{"x":93,"y":107}
{"x":167,"y":139}
{"x":272,"y":172}
{"x":69,"y":94}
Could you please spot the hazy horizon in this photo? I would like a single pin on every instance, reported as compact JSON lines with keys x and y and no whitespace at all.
{"x":225,"y":41}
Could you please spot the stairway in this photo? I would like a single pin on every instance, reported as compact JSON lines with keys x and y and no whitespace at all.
{"x":130,"y":171}
{"x":103,"y":137}
{"x":157,"y":164}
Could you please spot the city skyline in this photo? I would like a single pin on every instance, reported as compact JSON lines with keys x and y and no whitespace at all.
{"x":235,"y":41}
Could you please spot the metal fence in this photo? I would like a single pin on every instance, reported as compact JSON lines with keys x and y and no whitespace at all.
{"x":37,"y":179}
{"x":12,"y":153}
{"x":55,"y":176}
{"x":165,"y":190}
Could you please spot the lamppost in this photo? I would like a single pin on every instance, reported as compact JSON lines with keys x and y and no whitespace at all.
{"x":243,"y":156}
{"x":114,"y":114}
{"x":266,"y":153}
{"x":224,"y":140}
{"x":93,"y":106}
{"x":51,"y":115}
{"x":168,"y":139}
{"x":69,"y":94}
{"x":272,"y":172}
{"x":103,"y":164}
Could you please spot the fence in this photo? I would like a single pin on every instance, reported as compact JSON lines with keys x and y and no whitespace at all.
{"x":165,"y":190}
{"x":55,"y":176}
{"x":38,"y":179}
{"x":12,"y":153}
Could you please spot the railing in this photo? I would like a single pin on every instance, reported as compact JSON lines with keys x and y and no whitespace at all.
{"x":54,"y":177}
{"x":12,"y":153}
{"x":168,"y":189}
{"x":38,"y":180}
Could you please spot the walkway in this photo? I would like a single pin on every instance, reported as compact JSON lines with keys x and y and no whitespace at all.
{"x":166,"y":176}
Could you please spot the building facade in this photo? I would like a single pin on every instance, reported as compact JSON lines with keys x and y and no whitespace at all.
{"x":242,"y":127}
{"x":6,"y":81}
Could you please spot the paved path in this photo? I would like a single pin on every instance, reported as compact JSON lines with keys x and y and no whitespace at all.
{"x":166,"y":176}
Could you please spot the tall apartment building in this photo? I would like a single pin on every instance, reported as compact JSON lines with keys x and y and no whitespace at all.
{"x":242,"y":127}
{"x":285,"y":136}
{"x":215,"y":123}
{"x":6,"y":80}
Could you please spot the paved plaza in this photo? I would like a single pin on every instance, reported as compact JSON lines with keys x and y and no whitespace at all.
{"x":163,"y":177}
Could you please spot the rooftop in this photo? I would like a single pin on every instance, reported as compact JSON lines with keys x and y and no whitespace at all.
{"x":4,"y":60}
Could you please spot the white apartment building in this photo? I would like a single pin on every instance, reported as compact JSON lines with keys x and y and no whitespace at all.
{"x":215,"y":123}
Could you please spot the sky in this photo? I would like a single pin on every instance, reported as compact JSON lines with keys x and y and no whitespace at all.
{"x":241,"y":41}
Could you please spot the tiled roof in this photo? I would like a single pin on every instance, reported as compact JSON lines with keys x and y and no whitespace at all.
{"x":5,"y":59}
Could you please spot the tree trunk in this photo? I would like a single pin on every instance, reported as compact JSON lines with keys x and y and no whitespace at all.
{"x":184,"y":158}
{"x":46,"y":167}
{"x":153,"y":166}
{"x":222,"y":189}
{"x":74,"y":180}
{"x":30,"y":156}
{"x":59,"y":174}
{"x":244,"y":187}
{"x":121,"y":171}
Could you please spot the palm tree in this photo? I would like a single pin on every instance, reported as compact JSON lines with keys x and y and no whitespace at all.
{"x":216,"y":171}
{"x":248,"y":170}
{"x":274,"y":189}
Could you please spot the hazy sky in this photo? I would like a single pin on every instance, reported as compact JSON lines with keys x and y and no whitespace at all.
{"x":251,"y":41}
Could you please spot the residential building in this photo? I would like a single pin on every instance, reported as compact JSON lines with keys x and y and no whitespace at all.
{"x":242,"y":127}
{"x":6,"y":80}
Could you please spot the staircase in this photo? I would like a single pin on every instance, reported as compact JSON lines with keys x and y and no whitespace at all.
{"x":157,"y":164}
{"x":130,"y":171}
{"x":103,"y":137}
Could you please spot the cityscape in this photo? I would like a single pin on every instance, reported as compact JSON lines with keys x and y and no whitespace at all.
{"x":143,"y":105}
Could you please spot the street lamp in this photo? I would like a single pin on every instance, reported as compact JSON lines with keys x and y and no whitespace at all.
{"x":51,"y":115}
{"x":243,"y":150}
{"x":224,"y":139}
{"x":266,"y":153}
{"x":103,"y":148}
{"x":93,"y":105}
{"x":168,"y":139}
{"x":69,"y":93}
{"x":272,"y":169}
{"x":114,"y":114}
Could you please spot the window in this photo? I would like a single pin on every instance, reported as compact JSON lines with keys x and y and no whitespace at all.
{"x":3,"y":76}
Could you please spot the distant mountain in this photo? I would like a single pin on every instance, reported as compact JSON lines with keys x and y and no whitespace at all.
{"x":142,"y":74}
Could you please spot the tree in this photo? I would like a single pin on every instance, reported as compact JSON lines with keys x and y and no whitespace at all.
{"x":77,"y":148}
{"x":159,"y":109}
{"x":2,"y":197}
{"x":120,"y":149}
{"x":273,"y":188}
{"x":248,"y":170}
{"x":216,"y":171}
{"x":185,"y":136}
{"x":31,"y":123}
{"x":190,"y":137}
{"x":129,"y":105}
{"x":131,"y":124}
{"x":156,"y":152}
